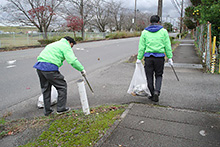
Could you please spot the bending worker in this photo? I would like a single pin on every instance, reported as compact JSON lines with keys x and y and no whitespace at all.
{"x":49,"y":61}
{"x":154,"y":43}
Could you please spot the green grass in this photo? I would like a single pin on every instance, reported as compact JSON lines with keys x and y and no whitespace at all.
{"x":67,"y":130}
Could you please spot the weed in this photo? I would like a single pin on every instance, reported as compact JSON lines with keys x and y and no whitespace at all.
{"x":75,"y":128}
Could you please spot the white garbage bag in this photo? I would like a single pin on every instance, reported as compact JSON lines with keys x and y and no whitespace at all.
{"x":54,"y":96}
{"x":138,"y":85}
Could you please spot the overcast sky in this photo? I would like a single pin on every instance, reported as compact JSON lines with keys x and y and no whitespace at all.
{"x":169,"y":12}
{"x":152,"y":5}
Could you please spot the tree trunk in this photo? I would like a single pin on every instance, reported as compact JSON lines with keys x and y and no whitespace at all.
{"x":74,"y":34}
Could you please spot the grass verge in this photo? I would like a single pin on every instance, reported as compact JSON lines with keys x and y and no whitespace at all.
{"x":70,"y":129}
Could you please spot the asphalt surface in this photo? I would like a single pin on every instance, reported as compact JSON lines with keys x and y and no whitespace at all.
{"x":184,"y":116}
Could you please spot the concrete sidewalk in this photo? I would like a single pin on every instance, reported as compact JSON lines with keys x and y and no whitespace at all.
{"x":178,"y":119}
{"x":153,"y":126}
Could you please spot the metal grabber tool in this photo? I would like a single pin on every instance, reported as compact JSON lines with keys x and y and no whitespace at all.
{"x":175,"y":73}
{"x":88,"y":83}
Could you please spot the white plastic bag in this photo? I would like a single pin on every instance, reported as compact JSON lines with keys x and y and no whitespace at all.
{"x":138,"y":85}
{"x":54,"y":96}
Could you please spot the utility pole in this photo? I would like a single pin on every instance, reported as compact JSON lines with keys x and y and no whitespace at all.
{"x":159,"y":10}
{"x":82,"y":17}
{"x":181,"y":19}
{"x":135,"y":15}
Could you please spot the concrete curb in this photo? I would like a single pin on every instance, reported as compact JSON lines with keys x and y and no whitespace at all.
{"x":113,"y":127}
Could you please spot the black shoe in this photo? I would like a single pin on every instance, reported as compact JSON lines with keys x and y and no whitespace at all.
{"x":155,"y":97}
{"x":49,"y":113}
{"x":150,"y":97}
{"x":64,"y":111}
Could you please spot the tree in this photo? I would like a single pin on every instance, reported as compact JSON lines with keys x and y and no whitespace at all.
{"x":74,"y":24}
{"x":195,"y":2}
{"x":39,"y":13}
{"x":101,"y":15}
{"x":142,"y":20}
{"x":210,"y":12}
{"x":127,"y":25}
{"x":168,"y":26}
{"x":82,"y":8}
{"x":189,"y":23}
{"x":117,"y":14}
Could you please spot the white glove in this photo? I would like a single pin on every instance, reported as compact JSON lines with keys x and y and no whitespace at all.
{"x":83,"y":72}
{"x":138,"y":61}
{"x":170,"y":62}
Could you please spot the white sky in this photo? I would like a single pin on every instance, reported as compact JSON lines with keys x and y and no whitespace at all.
{"x":169,"y":12}
{"x":152,"y":5}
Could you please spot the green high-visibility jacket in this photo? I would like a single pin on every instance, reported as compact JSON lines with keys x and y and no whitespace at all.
{"x":59,"y":51}
{"x":154,"y":42}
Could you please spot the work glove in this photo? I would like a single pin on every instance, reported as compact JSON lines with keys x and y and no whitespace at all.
{"x":170,"y":62}
{"x":138,"y":61}
{"x":83,"y":72}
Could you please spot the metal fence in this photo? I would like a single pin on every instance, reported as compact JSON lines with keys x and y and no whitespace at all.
{"x":207,"y":48}
{"x":31,"y":39}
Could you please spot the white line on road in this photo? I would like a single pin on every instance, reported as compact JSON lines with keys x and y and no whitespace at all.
{"x":80,"y":49}
{"x":11,"y":61}
{"x":10,"y":66}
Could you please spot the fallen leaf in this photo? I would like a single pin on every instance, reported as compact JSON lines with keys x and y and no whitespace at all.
{"x":92,"y":111}
{"x":10,"y":133}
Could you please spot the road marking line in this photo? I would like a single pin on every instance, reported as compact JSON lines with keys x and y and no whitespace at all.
{"x":11,"y":66}
{"x":11,"y":62}
{"x":80,"y":49}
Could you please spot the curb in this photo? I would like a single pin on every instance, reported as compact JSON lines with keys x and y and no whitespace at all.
{"x":113,"y":127}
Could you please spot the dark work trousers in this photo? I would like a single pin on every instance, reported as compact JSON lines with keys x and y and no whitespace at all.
{"x":154,"y":66}
{"x":55,"y":78}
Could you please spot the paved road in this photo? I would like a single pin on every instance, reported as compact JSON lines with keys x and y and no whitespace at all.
{"x":19,"y":81}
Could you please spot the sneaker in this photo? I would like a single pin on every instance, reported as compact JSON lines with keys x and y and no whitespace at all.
{"x":155,"y":98}
{"x":150,"y":97}
{"x":64,"y":111}
{"x":51,"y":112}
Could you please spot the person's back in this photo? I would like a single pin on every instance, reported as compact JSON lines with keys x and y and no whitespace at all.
{"x":154,"y":43}
{"x":154,"y":39}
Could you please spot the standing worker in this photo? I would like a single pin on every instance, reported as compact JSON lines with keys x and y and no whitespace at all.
{"x":154,"y":43}
{"x":49,"y":61}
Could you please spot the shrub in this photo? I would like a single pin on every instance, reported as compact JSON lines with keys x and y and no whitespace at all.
{"x":118,"y":35}
{"x":78,"y":39}
{"x":48,"y":41}
{"x":171,"y":39}
{"x":182,"y":35}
